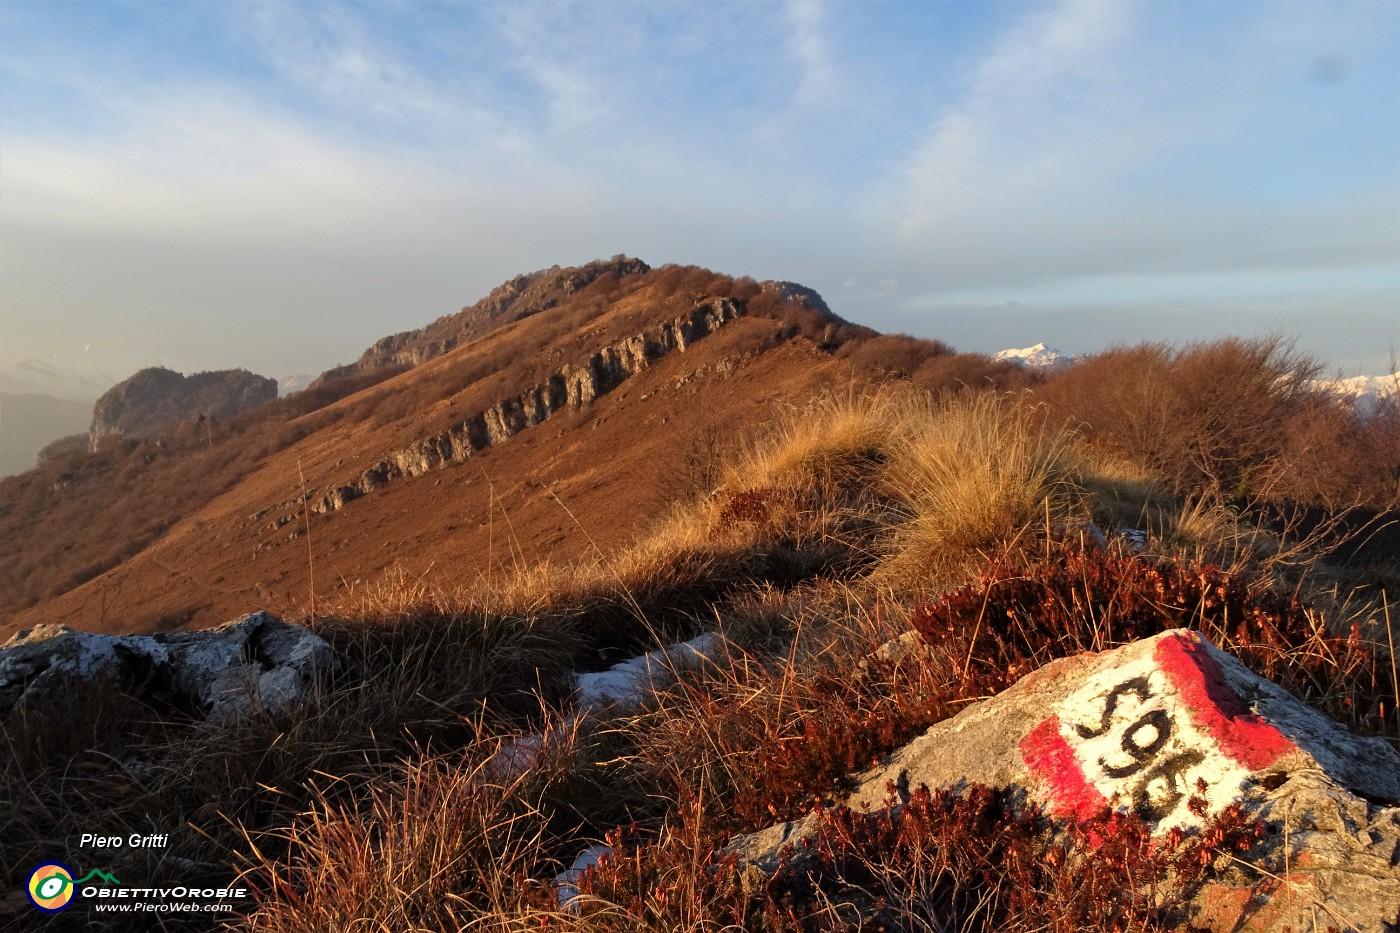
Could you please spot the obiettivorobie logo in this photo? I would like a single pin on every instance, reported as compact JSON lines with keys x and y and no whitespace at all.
{"x":51,"y":885}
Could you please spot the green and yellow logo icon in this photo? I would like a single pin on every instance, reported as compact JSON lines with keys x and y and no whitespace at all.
{"x":50,"y":887}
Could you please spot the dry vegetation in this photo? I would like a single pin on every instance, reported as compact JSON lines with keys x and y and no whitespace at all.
{"x":380,"y":804}
{"x":1236,"y":419}
{"x":82,"y":513}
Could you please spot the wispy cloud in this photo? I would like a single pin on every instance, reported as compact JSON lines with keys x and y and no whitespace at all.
{"x":331,"y":50}
{"x":1095,"y":139}
{"x":554,"y":48}
{"x":1028,"y":120}
{"x":809,"y":47}
{"x":373,"y":165}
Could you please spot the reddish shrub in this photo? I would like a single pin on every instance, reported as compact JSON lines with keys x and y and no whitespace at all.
{"x":975,"y":860}
{"x":982,"y":638}
{"x":1209,"y":416}
{"x":1012,"y":621}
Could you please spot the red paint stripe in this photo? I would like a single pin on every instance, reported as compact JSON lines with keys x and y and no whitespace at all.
{"x":1050,"y":759}
{"x":1215,"y":708}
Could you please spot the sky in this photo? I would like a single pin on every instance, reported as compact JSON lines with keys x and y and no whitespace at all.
{"x":277,"y":185}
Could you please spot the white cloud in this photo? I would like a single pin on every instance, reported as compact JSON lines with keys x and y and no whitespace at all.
{"x":1094,"y":138}
{"x":330,"y":50}
{"x":1031,"y":118}
{"x":380,"y":176}
{"x":808,"y":45}
{"x":198,"y":165}
{"x":556,"y":50}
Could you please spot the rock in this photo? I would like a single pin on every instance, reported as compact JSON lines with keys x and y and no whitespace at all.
{"x":155,"y":398}
{"x":65,"y":446}
{"x":566,"y":882}
{"x":571,"y":388}
{"x":792,"y":291}
{"x":257,"y":662}
{"x":625,"y":686}
{"x":1138,"y":727}
{"x":514,"y":300}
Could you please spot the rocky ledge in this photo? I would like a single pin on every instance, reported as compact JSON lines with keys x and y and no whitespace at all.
{"x":257,"y":662}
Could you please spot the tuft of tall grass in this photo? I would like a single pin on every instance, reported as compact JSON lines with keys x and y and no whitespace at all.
{"x":433,"y":846}
{"x":976,"y":475}
{"x":832,"y":442}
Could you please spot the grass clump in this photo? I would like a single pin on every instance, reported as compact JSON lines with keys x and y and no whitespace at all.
{"x":976,"y":476}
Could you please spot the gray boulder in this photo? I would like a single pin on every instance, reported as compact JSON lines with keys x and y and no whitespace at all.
{"x":257,"y":662}
{"x":1138,"y":728}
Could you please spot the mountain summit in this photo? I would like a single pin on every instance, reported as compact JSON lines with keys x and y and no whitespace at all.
{"x":551,"y":420}
{"x":1037,"y":357}
{"x":513,"y":300}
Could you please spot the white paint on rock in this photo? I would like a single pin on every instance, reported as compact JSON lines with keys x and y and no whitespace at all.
{"x":1146,"y":750}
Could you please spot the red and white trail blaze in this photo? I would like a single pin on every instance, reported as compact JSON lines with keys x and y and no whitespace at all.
{"x":1146,"y":732}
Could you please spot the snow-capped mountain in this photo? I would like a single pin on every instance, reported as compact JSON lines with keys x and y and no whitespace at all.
{"x":1366,"y":391}
{"x":1037,"y":357}
{"x":289,"y":384}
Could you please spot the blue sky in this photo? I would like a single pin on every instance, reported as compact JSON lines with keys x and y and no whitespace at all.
{"x":276,"y":185}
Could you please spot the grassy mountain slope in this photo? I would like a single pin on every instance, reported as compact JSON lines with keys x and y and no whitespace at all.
{"x":196,"y":527}
{"x":854,"y":518}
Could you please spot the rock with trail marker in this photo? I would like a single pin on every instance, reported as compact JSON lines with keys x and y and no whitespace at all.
{"x":1142,"y":728}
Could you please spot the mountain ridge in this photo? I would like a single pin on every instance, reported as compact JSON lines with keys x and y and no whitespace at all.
{"x":631,"y":422}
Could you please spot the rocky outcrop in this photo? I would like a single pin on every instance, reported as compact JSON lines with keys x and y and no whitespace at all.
{"x":572,"y":387}
{"x":514,"y":300}
{"x":257,"y":662}
{"x":1142,"y":728}
{"x":156,"y":398}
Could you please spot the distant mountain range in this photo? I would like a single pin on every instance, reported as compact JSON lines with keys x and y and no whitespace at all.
{"x":1367,"y":391}
{"x":1038,"y":357}
{"x":80,"y":374}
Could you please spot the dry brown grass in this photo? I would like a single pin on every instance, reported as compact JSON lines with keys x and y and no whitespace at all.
{"x":375,"y":803}
{"x":977,"y":476}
